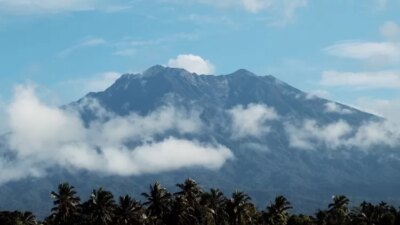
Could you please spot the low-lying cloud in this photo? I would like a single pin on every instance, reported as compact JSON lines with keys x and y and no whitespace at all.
{"x":333,"y":107}
{"x":43,"y":137}
{"x":251,"y":120}
{"x":309,"y":134}
{"x":341,"y":135}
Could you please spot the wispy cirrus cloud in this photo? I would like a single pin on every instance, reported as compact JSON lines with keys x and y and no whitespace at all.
{"x":45,"y":6}
{"x":129,"y":46}
{"x":378,"y":79}
{"x":40,"y":7}
{"x":280,"y":12}
{"x":380,"y":53}
{"x":391,"y":31}
{"x":384,"y":57}
{"x":125,"y":52}
{"x":383,"y":52}
{"x":88,"y":42}
{"x":94,"y":83}
{"x":382,"y":5}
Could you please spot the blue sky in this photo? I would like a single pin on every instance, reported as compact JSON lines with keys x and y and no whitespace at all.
{"x":345,"y":50}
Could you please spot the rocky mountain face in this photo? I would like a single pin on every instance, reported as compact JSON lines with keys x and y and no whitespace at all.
{"x":283,"y":141}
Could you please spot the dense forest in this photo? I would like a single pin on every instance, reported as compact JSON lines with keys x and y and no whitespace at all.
{"x":191,"y":205}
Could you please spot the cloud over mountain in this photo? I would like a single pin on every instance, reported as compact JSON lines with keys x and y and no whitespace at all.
{"x":192,"y":63}
{"x":43,"y":137}
{"x":251,"y":120}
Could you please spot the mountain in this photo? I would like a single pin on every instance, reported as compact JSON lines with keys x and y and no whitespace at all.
{"x":283,"y":141}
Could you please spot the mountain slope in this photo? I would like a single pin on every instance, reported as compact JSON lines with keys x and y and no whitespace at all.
{"x":267,"y":159}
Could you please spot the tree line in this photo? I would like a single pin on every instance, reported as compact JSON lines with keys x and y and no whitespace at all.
{"x":191,"y":205}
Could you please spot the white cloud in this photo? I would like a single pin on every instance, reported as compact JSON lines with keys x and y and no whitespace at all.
{"x":381,"y":53}
{"x":192,"y":63}
{"x":333,"y":107}
{"x":171,"y":154}
{"x":284,"y":10}
{"x":255,"y":5}
{"x":318,"y":94}
{"x":310,"y":135}
{"x":101,"y":81}
{"x":375,"y":134}
{"x":287,"y":11}
{"x":43,"y":137}
{"x":388,"y":109}
{"x":85,"y":43}
{"x":380,"y":79}
{"x":371,"y":52}
{"x":37,"y":128}
{"x":391,"y":31}
{"x":3,"y":121}
{"x":250,"y":120}
{"x":135,"y":127}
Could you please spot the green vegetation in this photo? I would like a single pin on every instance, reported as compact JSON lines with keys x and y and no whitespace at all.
{"x":193,"y":206}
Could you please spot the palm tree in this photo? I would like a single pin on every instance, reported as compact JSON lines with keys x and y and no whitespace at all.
{"x":158,"y":203}
{"x":339,"y":202}
{"x":101,"y":207}
{"x":17,"y":218}
{"x":277,"y":212}
{"x":338,"y":210}
{"x":190,"y":190}
{"x":66,"y":204}
{"x":321,"y":217}
{"x":129,"y":212}
{"x":364,"y":214}
{"x":385,"y":214}
{"x":238,"y":208}
{"x":26,"y":218}
{"x":215,"y":202}
{"x":300,"y":220}
{"x":181,"y":212}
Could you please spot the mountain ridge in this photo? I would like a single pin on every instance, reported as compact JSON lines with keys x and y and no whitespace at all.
{"x":265,"y":164}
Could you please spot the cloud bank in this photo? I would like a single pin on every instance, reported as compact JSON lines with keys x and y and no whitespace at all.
{"x":43,"y":137}
{"x":309,"y":135}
